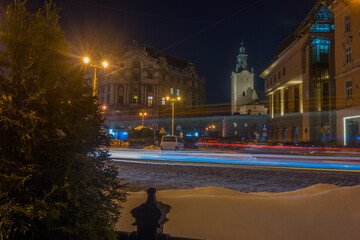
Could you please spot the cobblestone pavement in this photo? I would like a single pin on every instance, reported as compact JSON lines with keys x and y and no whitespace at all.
{"x":140,"y":176}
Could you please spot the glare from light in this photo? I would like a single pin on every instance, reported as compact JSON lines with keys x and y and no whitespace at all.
{"x":104,"y":107}
{"x":145,"y":114}
{"x":86,"y":60}
{"x":178,"y":98}
{"x":105,"y":64}
{"x":167,"y":98}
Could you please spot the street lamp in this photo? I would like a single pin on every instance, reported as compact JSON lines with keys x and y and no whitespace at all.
{"x":95,"y":65}
{"x":142,"y":115}
{"x":173,"y":100}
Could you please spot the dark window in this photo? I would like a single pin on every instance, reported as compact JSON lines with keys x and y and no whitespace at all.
{"x":277,"y":102}
{"x":284,"y":71}
{"x":121,"y":100}
{"x":347,"y":55}
{"x":319,"y":68}
{"x":296,"y":99}
{"x":136,"y":76}
{"x":149,"y":88}
{"x":347,"y":23}
{"x":286,"y":100}
{"x":349,"y":89}
{"x":136,"y":65}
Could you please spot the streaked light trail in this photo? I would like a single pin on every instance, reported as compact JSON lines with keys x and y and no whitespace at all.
{"x":237,"y":159}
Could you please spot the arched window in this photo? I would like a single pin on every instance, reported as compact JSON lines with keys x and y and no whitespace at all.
{"x":136,"y":64}
{"x":244,"y":93}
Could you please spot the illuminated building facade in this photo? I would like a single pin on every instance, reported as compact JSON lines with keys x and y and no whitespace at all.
{"x":347,"y":70}
{"x":142,"y":80}
{"x":242,"y":84}
{"x":300,"y":82}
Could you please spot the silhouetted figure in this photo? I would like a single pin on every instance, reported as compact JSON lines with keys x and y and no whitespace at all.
{"x":150,"y":218}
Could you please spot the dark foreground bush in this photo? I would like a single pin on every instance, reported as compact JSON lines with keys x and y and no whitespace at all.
{"x":56,"y":182}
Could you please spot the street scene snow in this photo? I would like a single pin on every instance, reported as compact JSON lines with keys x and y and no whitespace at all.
{"x":322,"y":212}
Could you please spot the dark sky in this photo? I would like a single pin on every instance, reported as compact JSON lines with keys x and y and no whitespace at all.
{"x":206,"y":33}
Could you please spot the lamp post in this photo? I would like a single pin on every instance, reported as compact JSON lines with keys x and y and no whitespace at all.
{"x":142,"y":115}
{"x":173,"y":100}
{"x":96,"y":65}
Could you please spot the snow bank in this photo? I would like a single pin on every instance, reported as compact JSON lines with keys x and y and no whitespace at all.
{"x":318,"y":212}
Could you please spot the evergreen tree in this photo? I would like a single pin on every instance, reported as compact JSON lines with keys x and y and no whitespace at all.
{"x":56,"y":181}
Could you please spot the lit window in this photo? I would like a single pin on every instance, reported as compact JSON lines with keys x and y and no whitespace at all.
{"x":150,"y":101}
{"x":236,"y":132}
{"x":347,"y":55}
{"x":135,"y":99}
{"x":347,"y":23}
{"x":349,"y":89}
{"x":177,"y":92}
{"x":235,"y":124}
{"x":163,"y":102}
{"x":171,"y":91}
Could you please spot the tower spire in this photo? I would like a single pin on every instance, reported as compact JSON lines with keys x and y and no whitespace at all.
{"x":241,"y":59}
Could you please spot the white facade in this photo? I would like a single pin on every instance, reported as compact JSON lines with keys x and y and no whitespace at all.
{"x":253,"y":109}
{"x":242,"y":84}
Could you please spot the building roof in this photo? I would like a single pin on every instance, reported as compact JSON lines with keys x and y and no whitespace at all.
{"x":154,"y":53}
{"x":316,"y":14}
{"x":174,"y":61}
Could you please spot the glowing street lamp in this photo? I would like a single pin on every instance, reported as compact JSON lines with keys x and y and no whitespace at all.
{"x":142,"y":115}
{"x":105,"y":64}
{"x":95,"y":65}
{"x":173,"y":100}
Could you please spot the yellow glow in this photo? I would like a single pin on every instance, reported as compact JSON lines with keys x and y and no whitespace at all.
{"x":104,"y":107}
{"x":140,"y":114}
{"x":178,"y":98}
{"x":167,"y":98}
{"x":86,"y":60}
{"x":145,"y":114}
{"x":105,"y":64}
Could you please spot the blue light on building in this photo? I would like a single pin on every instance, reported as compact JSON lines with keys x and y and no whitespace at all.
{"x":120,"y":135}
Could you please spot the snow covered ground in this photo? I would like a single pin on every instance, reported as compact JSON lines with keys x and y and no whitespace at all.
{"x":321,"y":212}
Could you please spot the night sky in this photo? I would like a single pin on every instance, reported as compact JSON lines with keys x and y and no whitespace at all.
{"x":206,"y":33}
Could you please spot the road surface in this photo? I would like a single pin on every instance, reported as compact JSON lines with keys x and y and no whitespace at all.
{"x":344,"y":163}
